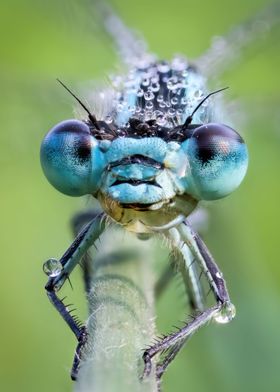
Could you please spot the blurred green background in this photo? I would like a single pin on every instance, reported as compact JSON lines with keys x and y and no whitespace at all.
{"x":44,"y":40}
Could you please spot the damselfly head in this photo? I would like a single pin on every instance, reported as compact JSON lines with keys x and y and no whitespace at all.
{"x":160,"y":153}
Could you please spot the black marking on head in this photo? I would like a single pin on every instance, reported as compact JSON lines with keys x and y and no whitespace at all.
{"x":106,"y":131}
{"x":135,"y":182}
{"x":83,"y":152}
{"x":213,"y":139}
{"x":82,"y":149}
{"x":206,"y":153}
{"x":138,"y":129}
{"x":137,"y":159}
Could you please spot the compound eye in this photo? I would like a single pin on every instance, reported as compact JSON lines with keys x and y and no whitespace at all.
{"x":218,"y":159}
{"x":215,"y":141}
{"x":70,"y":158}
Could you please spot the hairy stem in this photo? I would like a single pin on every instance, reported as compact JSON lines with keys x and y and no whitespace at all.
{"x":121,"y":322}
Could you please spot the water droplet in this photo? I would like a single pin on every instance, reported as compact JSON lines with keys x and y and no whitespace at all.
{"x":108,"y":119}
{"x":146,"y":82}
{"x":225,"y":314}
{"x":52,"y":267}
{"x":140,"y":92}
{"x":155,"y":87}
{"x":172,"y":83}
{"x":163,"y":67}
{"x":149,"y":105}
{"x":149,"y":95}
{"x":160,"y":98}
{"x":161,"y":120}
{"x":174,"y":100}
{"x":171,"y":112}
{"x":162,"y":105}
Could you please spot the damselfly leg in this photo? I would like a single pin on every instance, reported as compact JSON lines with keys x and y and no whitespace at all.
{"x":68,"y":261}
{"x":184,"y":237}
{"x":78,"y":221}
{"x":187,"y":267}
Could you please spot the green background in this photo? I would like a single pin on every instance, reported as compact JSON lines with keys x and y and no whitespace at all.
{"x":44,"y":40}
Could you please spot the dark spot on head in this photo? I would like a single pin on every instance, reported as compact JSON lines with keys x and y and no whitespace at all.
{"x":214,"y":139}
{"x":83,"y":150}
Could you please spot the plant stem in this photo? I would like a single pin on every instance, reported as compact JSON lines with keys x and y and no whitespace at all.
{"x":121,"y":322}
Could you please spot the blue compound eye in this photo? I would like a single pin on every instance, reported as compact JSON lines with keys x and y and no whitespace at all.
{"x":218,"y":160}
{"x":71,"y":159}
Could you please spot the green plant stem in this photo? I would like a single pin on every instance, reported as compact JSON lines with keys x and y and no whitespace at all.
{"x":121,"y":322}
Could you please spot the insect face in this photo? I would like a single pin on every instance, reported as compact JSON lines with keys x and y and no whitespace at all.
{"x":158,"y":155}
{"x":145,"y":179}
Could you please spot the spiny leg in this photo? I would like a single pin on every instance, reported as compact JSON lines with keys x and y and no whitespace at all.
{"x":65,"y":265}
{"x":80,"y":219}
{"x":223,"y":311}
{"x":188,"y":268}
{"x":77,"y":223}
{"x":162,"y":366}
{"x":191,"y":277}
{"x":188,"y":265}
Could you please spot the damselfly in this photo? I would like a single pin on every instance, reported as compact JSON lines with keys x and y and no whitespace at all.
{"x":150,"y":155}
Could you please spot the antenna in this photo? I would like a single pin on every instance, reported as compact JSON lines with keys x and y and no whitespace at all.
{"x":190,"y":118}
{"x":90,"y":115}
